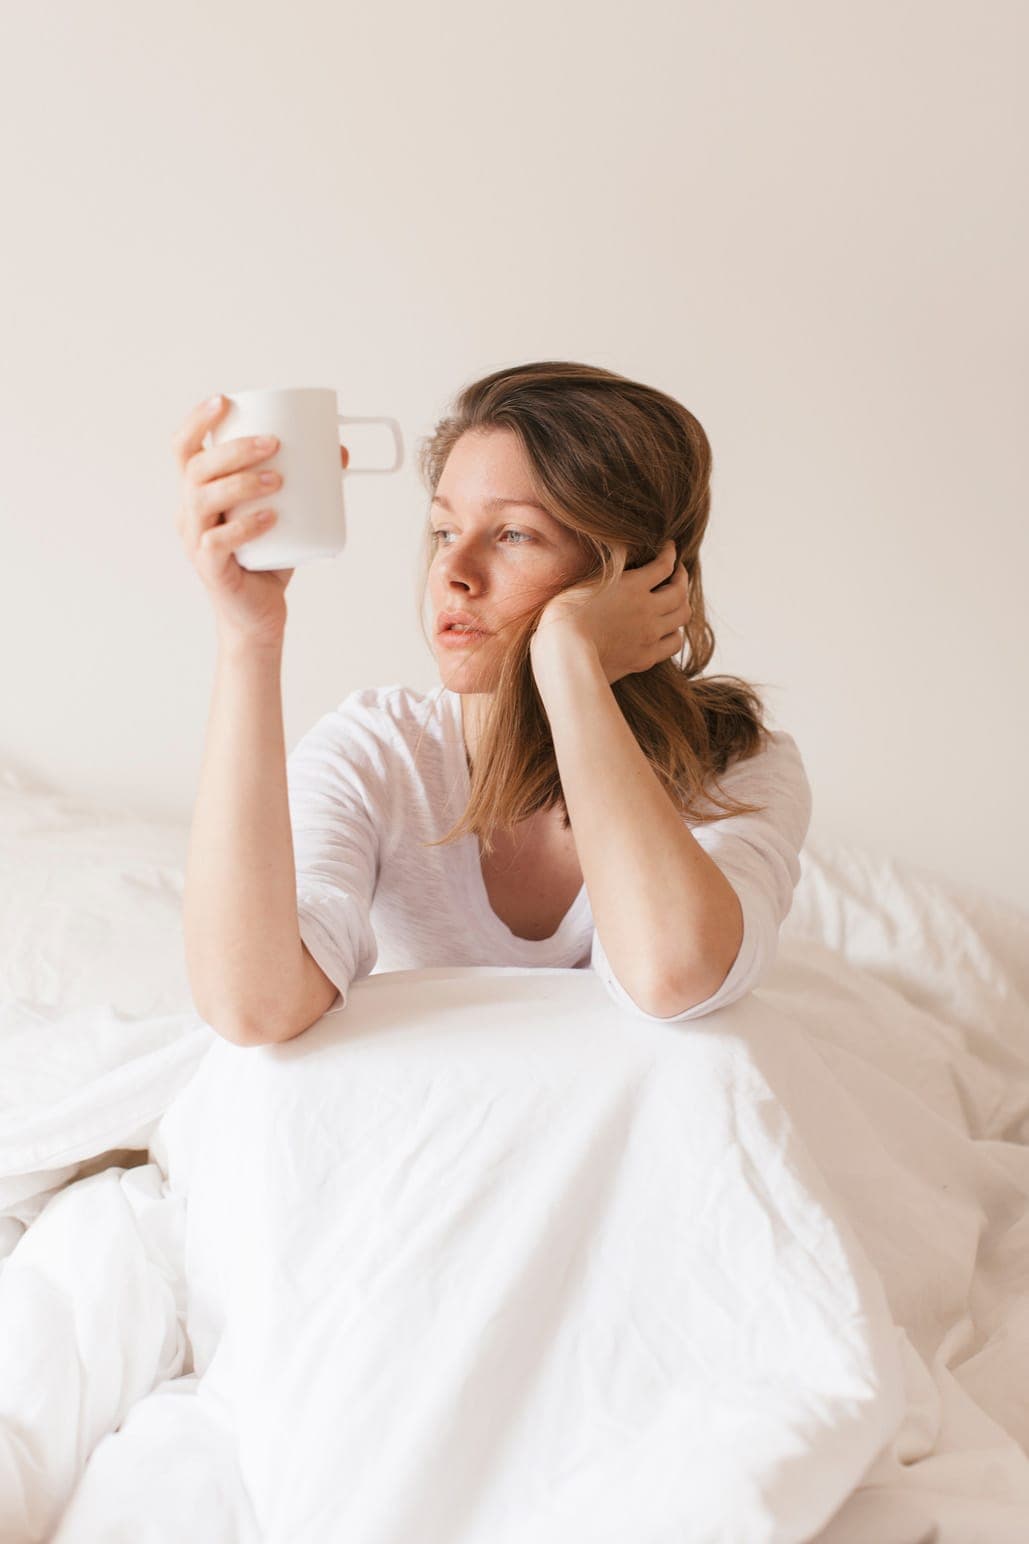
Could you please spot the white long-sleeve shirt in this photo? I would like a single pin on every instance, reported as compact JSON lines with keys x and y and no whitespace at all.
{"x":386,"y":771}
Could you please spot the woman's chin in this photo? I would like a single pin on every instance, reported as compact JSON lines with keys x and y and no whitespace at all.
{"x":464,"y":673}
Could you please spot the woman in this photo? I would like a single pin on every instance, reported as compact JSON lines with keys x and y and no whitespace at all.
{"x":572,"y":794}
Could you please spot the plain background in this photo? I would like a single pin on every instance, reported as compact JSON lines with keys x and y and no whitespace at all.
{"x":807,"y":221}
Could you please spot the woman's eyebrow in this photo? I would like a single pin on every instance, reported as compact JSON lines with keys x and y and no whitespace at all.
{"x":497,"y":503}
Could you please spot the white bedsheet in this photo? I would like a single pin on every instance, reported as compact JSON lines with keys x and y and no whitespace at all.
{"x":479,"y":1254}
{"x":480,"y":1258}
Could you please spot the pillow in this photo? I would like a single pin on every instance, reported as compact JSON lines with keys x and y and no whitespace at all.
{"x":91,"y":905}
{"x":957,"y":951}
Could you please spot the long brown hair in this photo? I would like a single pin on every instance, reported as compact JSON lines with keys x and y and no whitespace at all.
{"x":616,"y":462}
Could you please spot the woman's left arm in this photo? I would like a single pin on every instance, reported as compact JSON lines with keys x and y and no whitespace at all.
{"x":670,"y":922}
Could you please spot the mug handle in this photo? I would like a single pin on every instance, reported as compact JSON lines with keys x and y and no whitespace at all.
{"x":397,"y":441}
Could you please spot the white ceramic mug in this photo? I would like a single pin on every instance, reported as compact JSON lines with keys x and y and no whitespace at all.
{"x":311,"y":520}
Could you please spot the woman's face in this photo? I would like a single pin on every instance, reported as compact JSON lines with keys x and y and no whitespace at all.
{"x":496,"y":553}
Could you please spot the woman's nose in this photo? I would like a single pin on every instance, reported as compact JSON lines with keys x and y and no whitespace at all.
{"x":464,"y":569}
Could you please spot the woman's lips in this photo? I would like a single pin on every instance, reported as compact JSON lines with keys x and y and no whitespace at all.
{"x":455,"y":638}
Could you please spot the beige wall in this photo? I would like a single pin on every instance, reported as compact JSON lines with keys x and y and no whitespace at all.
{"x":805,"y":220}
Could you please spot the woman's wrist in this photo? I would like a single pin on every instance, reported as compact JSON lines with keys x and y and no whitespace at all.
{"x":247,"y":646}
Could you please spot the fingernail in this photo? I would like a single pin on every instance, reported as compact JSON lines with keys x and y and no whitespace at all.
{"x":214,"y":402}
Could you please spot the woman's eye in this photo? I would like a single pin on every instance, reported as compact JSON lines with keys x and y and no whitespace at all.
{"x":521,"y":535}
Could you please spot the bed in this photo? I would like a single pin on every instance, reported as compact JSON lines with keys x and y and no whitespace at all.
{"x":483,"y":1259}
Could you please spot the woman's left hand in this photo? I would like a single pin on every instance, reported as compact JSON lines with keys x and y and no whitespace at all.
{"x":633,"y":624}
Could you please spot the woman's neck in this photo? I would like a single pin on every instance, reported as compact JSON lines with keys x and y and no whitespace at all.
{"x":473,"y":708}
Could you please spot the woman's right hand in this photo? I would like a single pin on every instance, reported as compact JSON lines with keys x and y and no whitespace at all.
{"x":248,"y":604}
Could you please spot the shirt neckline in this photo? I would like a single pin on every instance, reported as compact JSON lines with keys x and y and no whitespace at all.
{"x":470,"y":856}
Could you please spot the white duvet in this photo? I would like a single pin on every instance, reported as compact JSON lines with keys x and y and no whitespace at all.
{"x":479,"y":1259}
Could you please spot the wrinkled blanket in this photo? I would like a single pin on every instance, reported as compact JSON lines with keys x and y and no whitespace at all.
{"x":481,"y":1258}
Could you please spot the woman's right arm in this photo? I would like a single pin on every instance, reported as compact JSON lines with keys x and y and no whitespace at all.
{"x":252,"y":978}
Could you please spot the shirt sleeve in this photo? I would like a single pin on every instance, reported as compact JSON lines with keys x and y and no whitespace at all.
{"x":760,"y":856}
{"x":341,"y":814}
